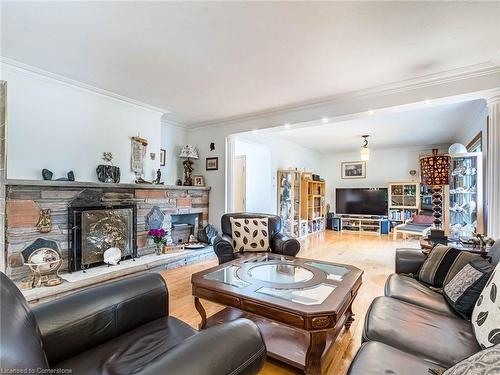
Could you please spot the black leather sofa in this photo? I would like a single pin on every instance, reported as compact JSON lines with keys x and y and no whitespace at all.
{"x":412,"y":328}
{"x":279,"y":243}
{"x":120,"y":328}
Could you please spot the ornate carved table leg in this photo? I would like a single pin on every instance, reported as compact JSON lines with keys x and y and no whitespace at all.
{"x":314,"y":352}
{"x":203,"y":313}
{"x":350,"y":317}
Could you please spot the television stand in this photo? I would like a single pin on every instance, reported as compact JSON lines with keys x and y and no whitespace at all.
{"x":366,"y":224}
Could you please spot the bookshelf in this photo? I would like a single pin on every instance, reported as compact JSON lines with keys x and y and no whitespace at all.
{"x":313,"y":203}
{"x":404,"y":201}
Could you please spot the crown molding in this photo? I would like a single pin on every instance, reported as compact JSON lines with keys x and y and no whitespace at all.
{"x":445,"y":77}
{"x":173,"y":123}
{"x":16,"y":66}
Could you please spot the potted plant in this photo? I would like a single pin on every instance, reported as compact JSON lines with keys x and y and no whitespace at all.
{"x":159,"y":238}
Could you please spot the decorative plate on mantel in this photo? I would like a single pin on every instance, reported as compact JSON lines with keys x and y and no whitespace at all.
{"x":194,"y":246}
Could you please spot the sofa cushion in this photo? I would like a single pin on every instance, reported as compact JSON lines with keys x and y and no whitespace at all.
{"x":486,"y":314}
{"x":250,"y":234}
{"x":464,"y":289}
{"x":376,"y":358}
{"x":433,"y":336}
{"x":486,"y":362}
{"x":413,"y":291}
{"x":442,"y":264}
{"x":131,"y":352}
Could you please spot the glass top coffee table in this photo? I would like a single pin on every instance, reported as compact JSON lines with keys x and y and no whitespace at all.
{"x":310,"y":300}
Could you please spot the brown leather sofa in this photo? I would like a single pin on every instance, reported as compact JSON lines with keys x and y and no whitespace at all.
{"x":412,"y":328}
{"x":279,"y":243}
{"x":120,"y":328}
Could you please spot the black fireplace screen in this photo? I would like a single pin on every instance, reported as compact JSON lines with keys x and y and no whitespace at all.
{"x":96,"y":229}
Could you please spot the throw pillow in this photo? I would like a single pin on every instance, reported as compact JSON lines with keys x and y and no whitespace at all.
{"x":442,"y":264}
{"x":486,"y":314}
{"x":423,"y":219}
{"x":250,"y":234}
{"x":485,"y":362}
{"x":464,"y":288}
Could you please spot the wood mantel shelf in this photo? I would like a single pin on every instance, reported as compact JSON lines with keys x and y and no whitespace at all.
{"x":81,"y":184}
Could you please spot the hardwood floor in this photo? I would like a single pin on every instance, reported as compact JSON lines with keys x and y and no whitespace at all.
{"x":373,"y":254}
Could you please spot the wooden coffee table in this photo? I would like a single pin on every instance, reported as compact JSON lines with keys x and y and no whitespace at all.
{"x":300,"y":305}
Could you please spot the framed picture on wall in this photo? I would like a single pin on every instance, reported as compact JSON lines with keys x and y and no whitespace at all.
{"x":212,"y":164}
{"x":163,"y":157}
{"x":353,"y":169}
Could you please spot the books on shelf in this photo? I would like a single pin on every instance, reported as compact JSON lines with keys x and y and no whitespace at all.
{"x":401,"y":215}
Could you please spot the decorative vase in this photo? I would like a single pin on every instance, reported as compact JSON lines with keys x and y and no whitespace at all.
{"x":159,"y":248}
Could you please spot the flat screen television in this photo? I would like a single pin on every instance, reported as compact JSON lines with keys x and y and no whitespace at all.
{"x":361,"y":201}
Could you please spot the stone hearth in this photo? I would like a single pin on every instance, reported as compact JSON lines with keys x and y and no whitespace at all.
{"x":25,"y":199}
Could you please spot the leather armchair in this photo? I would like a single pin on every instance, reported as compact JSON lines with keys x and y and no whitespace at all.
{"x":121,"y":328}
{"x":278,"y":242}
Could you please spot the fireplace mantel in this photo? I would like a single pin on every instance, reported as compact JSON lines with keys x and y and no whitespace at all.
{"x":79,"y":184}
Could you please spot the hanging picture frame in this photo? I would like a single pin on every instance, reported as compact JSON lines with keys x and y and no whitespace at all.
{"x":353,"y":169}
{"x":212,"y":164}
{"x":163,"y":157}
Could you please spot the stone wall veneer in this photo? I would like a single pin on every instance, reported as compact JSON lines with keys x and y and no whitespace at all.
{"x":24,"y":200}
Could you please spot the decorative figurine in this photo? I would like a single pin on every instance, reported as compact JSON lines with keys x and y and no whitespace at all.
{"x":158,"y":178}
{"x":108,"y":172}
{"x":47,"y":176}
{"x":44,"y":224}
{"x":112,"y":256}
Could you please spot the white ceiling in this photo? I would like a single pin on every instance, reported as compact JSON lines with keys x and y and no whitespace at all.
{"x":434,"y":125}
{"x":211,"y":60}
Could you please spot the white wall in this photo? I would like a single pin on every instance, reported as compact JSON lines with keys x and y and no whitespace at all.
{"x":258,"y":175}
{"x":62,"y":127}
{"x":172,"y":139}
{"x":384,"y":166}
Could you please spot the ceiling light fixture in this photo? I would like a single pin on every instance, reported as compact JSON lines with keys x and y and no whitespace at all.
{"x":365,"y":151}
{"x":287,"y":125}
{"x":427,"y":101}
{"x":370,"y":112}
{"x":255,"y":131}
{"x":325,"y":120}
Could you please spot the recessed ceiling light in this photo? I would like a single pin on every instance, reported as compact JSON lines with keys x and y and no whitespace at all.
{"x":325,"y":120}
{"x":370,"y":112}
{"x":287,"y":125}
{"x":427,"y":101}
{"x":255,"y":131}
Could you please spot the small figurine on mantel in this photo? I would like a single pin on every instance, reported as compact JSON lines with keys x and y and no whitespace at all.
{"x":157,"y":181}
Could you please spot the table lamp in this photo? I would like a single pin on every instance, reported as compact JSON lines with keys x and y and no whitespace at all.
{"x":435,"y":172}
{"x":188,"y":152}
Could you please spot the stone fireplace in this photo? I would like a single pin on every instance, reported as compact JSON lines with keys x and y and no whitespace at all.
{"x":70,"y":206}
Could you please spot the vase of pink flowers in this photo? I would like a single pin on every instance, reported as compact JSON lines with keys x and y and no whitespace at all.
{"x":159,"y":238}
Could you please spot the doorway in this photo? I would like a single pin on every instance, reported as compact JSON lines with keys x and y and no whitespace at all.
{"x":240,"y":183}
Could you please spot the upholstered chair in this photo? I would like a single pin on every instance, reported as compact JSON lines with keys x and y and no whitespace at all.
{"x":278,"y":242}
